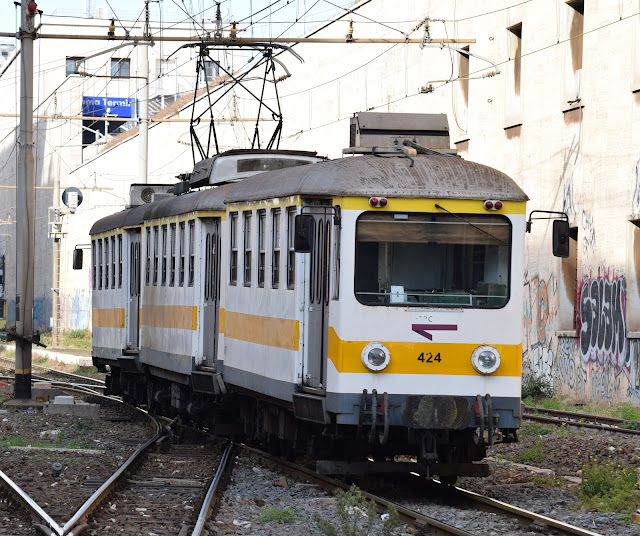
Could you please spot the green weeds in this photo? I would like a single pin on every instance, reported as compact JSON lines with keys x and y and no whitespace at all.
{"x":271,"y":514}
{"x":609,"y":488}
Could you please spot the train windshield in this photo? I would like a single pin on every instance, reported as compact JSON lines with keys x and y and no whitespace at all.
{"x":434,"y":260}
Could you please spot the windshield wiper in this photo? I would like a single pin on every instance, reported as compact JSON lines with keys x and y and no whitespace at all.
{"x":472,"y":224}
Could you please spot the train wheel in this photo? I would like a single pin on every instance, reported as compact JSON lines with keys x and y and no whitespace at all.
{"x":449,"y":480}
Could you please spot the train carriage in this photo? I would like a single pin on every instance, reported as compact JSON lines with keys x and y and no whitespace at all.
{"x":366,"y":306}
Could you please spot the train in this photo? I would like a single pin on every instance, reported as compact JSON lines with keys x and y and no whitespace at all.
{"x":365,"y":311}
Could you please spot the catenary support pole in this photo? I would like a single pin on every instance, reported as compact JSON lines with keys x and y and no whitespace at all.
{"x":25,"y":202}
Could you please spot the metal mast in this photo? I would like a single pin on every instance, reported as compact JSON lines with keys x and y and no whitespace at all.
{"x":25,"y":202}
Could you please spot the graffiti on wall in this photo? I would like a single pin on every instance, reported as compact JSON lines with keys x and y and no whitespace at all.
{"x":598,"y":361}
{"x":601,"y":317}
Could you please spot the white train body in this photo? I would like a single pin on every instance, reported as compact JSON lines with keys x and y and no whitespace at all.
{"x":400,"y":330}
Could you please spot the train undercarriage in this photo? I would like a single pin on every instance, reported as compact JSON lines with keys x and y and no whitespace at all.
{"x":337,"y":448}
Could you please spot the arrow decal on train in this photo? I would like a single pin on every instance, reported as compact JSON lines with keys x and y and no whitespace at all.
{"x":421,"y":329}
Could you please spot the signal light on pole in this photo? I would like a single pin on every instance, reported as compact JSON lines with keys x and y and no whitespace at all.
{"x":32,"y":8}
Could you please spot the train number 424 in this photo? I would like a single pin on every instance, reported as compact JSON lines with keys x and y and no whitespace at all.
{"x":428,"y":357}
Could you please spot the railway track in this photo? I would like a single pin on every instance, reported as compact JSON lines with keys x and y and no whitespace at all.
{"x":420,"y":520}
{"x":579,"y":420}
{"x":89,"y":380}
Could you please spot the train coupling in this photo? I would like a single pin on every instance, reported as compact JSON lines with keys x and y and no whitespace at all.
{"x":373,"y":421}
{"x":486,"y":419}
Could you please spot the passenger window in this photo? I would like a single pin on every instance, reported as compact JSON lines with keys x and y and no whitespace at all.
{"x":99,"y":264}
{"x":275,"y":248}
{"x":182,"y":248}
{"x":164,"y":255}
{"x":156,"y":252}
{"x":172,"y":278}
{"x":147,"y":277}
{"x":247,"y":248}
{"x":192,"y":245}
{"x":291,"y":254}
{"x":120,"y":260}
{"x":113,"y":262}
{"x":262,"y":246}
{"x":94,"y":262}
{"x":233,"y":241}
{"x":106,"y":263}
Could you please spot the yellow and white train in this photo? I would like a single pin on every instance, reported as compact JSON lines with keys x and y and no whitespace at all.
{"x":356,"y":309}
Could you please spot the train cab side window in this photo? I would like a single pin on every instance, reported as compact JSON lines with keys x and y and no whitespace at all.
{"x":192,"y":248}
{"x":247,"y":248}
{"x":335,"y":295}
{"x":233,"y":242}
{"x":93,"y":262}
{"x":291,"y":254}
{"x":147,"y":276}
{"x":262,"y":246}
{"x":172,"y":277}
{"x":120,"y":260}
{"x":99,"y":264}
{"x":113,"y":262}
{"x":106,"y":263}
{"x":275,"y":248}
{"x":181,"y":246}
{"x":156,"y":252}
{"x":164,"y":255}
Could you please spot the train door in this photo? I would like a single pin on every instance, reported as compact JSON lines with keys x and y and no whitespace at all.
{"x":211,"y":290}
{"x":317,"y":298}
{"x":134,"y":289}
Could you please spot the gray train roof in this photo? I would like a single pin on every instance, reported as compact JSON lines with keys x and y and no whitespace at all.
{"x":431,"y":176}
{"x":209,"y":199}
{"x":125,"y":218}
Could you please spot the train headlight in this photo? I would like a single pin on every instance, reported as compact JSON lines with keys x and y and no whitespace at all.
{"x":485,"y":359}
{"x":375,"y":356}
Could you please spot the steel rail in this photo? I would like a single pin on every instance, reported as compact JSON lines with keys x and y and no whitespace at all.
{"x":46,"y":524}
{"x":60,"y":372}
{"x":74,"y":526}
{"x":559,"y":422}
{"x":406,"y":515}
{"x":601,"y":419}
{"x":522,"y":514}
{"x":206,"y":505}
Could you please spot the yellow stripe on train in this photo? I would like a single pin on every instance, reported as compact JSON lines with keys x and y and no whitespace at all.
{"x":169,"y":316}
{"x":107,"y":318}
{"x":422,"y":358}
{"x":264,"y":330}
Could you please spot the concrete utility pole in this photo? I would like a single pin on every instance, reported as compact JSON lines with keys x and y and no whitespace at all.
{"x":144,"y":100}
{"x":25,"y":201}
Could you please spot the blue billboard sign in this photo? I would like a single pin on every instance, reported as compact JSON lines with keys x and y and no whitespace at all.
{"x":111,"y":106}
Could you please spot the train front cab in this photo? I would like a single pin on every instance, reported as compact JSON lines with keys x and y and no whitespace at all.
{"x":413,"y":323}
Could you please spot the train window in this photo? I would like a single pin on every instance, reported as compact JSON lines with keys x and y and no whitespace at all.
{"x":181,"y":245}
{"x":99,"y":264}
{"x":148,"y":269}
{"x":192,"y":249}
{"x":156,"y":252}
{"x":291,"y":254}
{"x":233,"y":242}
{"x":93,"y":261}
{"x":164,"y":255}
{"x":247,"y":248}
{"x":262,"y":246}
{"x":172,"y":277}
{"x":439,"y":260}
{"x":275,"y":248}
{"x":106,"y":263}
{"x":113,"y":262}
{"x":120,"y":260}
